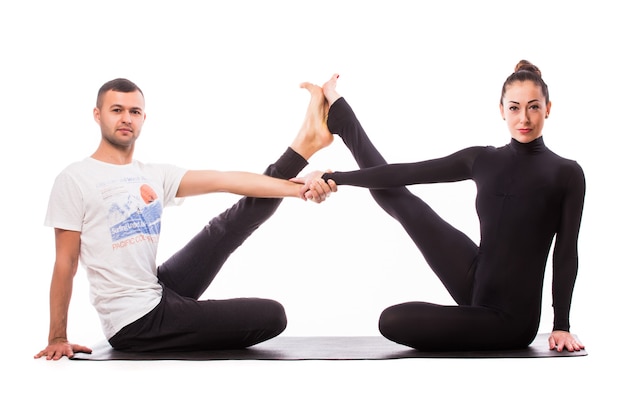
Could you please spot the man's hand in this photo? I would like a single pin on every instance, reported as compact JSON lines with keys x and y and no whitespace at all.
{"x":55,"y":351}
{"x":314,"y":188}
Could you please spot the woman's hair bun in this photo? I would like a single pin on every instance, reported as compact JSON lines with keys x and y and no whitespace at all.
{"x":525,"y":71}
{"x":525,"y":65}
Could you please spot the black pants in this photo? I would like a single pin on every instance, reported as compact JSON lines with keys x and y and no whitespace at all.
{"x":181,"y":322}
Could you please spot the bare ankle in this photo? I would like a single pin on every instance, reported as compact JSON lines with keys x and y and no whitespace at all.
{"x":330,"y":90}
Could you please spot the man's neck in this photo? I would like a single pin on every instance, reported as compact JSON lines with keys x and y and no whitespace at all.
{"x":113,"y":155}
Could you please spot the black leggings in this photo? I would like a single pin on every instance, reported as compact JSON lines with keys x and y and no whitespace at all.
{"x":451,"y":254}
{"x":181,"y":322}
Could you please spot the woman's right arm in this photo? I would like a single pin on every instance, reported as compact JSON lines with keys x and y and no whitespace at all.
{"x":454,"y":167}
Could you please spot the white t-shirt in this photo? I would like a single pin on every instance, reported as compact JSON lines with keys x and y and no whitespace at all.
{"x":117,"y":209}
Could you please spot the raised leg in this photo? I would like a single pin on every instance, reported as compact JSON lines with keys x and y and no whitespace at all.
{"x":449,"y":252}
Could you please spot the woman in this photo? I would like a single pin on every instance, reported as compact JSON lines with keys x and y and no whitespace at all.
{"x":526,"y":196}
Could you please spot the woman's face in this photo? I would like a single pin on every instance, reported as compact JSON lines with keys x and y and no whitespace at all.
{"x":524,"y":108}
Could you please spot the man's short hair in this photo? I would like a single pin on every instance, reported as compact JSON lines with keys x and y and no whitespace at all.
{"x":119,"y":84}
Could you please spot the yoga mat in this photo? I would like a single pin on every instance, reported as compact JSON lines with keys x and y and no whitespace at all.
{"x":325,"y":348}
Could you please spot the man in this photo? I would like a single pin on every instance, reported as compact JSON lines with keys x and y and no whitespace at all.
{"x":106,"y":212}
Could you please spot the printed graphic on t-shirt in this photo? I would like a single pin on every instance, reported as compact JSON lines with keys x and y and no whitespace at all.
{"x":134,"y":212}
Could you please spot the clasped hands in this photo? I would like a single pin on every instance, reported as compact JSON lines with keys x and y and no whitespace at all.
{"x":314,"y":188}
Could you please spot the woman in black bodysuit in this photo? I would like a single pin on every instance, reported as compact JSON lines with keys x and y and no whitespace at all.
{"x":526,"y":197}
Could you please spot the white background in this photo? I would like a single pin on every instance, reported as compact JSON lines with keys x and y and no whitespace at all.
{"x":221,"y":85}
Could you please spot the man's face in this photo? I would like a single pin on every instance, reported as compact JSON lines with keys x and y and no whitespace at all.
{"x":121,"y":117}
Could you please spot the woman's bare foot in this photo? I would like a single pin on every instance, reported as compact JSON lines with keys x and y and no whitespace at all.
{"x":330,"y":90}
{"x":314,"y":134}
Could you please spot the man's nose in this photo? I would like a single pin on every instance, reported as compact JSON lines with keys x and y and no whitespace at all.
{"x":126,"y":118}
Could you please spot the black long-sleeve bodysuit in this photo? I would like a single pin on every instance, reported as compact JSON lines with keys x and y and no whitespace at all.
{"x":526,"y":195}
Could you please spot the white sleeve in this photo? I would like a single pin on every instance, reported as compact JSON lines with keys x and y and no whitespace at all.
{"x":65,"y":205}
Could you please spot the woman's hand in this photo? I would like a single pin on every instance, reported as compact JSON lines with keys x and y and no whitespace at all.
{"x":314,"y":187}
{"x":560,"y":339}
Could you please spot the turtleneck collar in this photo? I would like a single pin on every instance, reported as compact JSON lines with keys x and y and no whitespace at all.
{"x":535,"y":146}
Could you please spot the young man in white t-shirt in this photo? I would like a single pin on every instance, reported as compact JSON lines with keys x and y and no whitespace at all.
{"x":106,"y":213}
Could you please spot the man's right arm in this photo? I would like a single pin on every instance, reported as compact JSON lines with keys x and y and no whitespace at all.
{"x":67,"y":244}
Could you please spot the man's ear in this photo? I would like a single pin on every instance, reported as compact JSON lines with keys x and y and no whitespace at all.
{"x":96,"y":114}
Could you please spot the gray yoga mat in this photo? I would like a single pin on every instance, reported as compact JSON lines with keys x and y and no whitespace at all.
{"x":325,"y":348}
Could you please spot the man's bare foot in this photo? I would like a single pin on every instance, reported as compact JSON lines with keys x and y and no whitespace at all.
{"x":314,"y":134}
{"x":330,"y":90}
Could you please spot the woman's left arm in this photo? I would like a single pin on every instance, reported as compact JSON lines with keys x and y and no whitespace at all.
{"x":565,"y":259}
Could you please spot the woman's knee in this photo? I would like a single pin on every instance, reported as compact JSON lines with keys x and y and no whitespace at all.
{"x":274,"y":315}
{"x":391,"y":322}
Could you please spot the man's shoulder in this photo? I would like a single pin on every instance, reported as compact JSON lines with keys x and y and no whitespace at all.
{"x":161,"y":169}
{"x":75,"y":167}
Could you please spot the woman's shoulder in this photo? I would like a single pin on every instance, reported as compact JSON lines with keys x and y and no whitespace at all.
{"x":564,"y":162}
